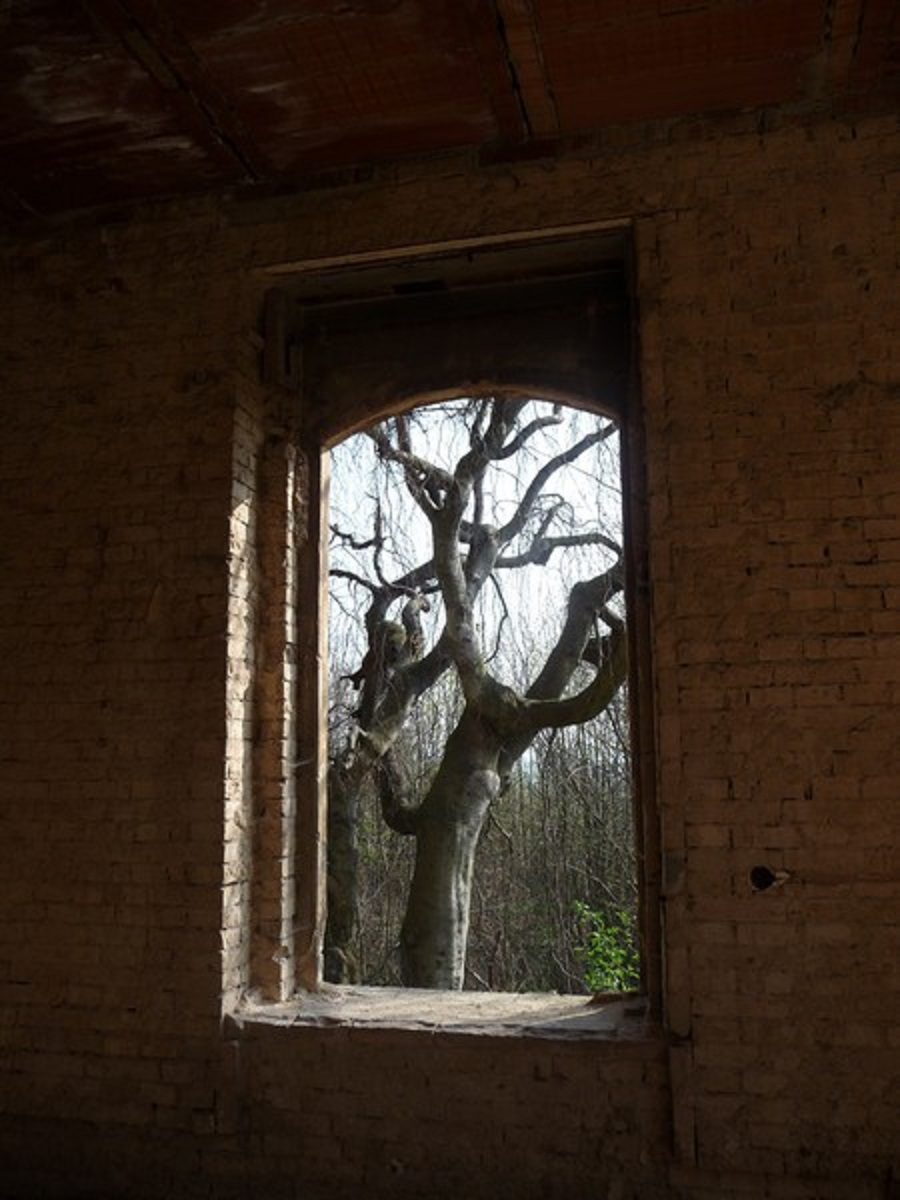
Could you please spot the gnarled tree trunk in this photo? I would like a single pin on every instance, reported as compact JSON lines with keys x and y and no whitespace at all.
{"x":436,"y":926}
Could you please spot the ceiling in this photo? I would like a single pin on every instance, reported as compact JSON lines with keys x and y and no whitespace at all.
{"x":108,"y":101}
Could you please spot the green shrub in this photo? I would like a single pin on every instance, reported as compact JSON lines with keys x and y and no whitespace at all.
{"x":608,"y":951}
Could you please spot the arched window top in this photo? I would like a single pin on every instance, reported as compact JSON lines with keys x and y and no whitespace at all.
{"x":556,"y":329}
{"x":488,"y":389}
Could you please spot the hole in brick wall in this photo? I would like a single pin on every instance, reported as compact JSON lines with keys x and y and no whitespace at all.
{"x":765,"y":879}
{"x":761,"y":878}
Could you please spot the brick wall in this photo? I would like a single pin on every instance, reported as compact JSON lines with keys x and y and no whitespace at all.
{"x":118,"y":415}
{"x":132,"y":430}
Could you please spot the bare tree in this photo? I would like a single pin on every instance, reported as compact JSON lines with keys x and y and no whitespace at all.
{"x":422,"y":626}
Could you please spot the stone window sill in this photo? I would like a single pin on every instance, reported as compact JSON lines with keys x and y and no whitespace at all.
{"x":609,"y":1017}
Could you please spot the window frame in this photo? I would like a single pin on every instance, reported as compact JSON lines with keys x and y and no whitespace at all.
{"x":285,"y":915}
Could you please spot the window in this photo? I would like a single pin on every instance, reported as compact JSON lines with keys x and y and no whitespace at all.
{"x":480,"y":827}
{"x":549,"y":318}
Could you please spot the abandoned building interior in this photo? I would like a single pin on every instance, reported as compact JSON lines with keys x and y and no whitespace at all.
{"x":232,"y":233}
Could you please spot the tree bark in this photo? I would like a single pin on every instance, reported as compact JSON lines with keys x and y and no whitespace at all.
{"x":495,"y":730}
{"x":436,"y":926}
{"x":343,"y":879}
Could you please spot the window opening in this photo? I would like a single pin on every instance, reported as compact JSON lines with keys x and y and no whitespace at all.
{"x":345,"y":343}
{"x":480,"y":815}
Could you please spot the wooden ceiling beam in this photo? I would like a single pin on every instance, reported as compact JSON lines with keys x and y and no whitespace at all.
{"x":497,"y":72}
{"x":149,"y":33}
{"x":523,"y":50}
{"x":840,"y":39}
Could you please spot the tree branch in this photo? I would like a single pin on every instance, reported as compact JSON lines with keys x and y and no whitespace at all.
{"x":516,"y":524}
{"x":591,"y":700}
{"x":541,"y":548}
{"x":340,"y":573}
{"x":397,"y":811}
{"x":587,"y":601}
{"x":504,"y":414}
{"x":425,"y":481}
{"x":524,"y":435}
{"x":349,"y":540}
{"x":460,"y":632}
